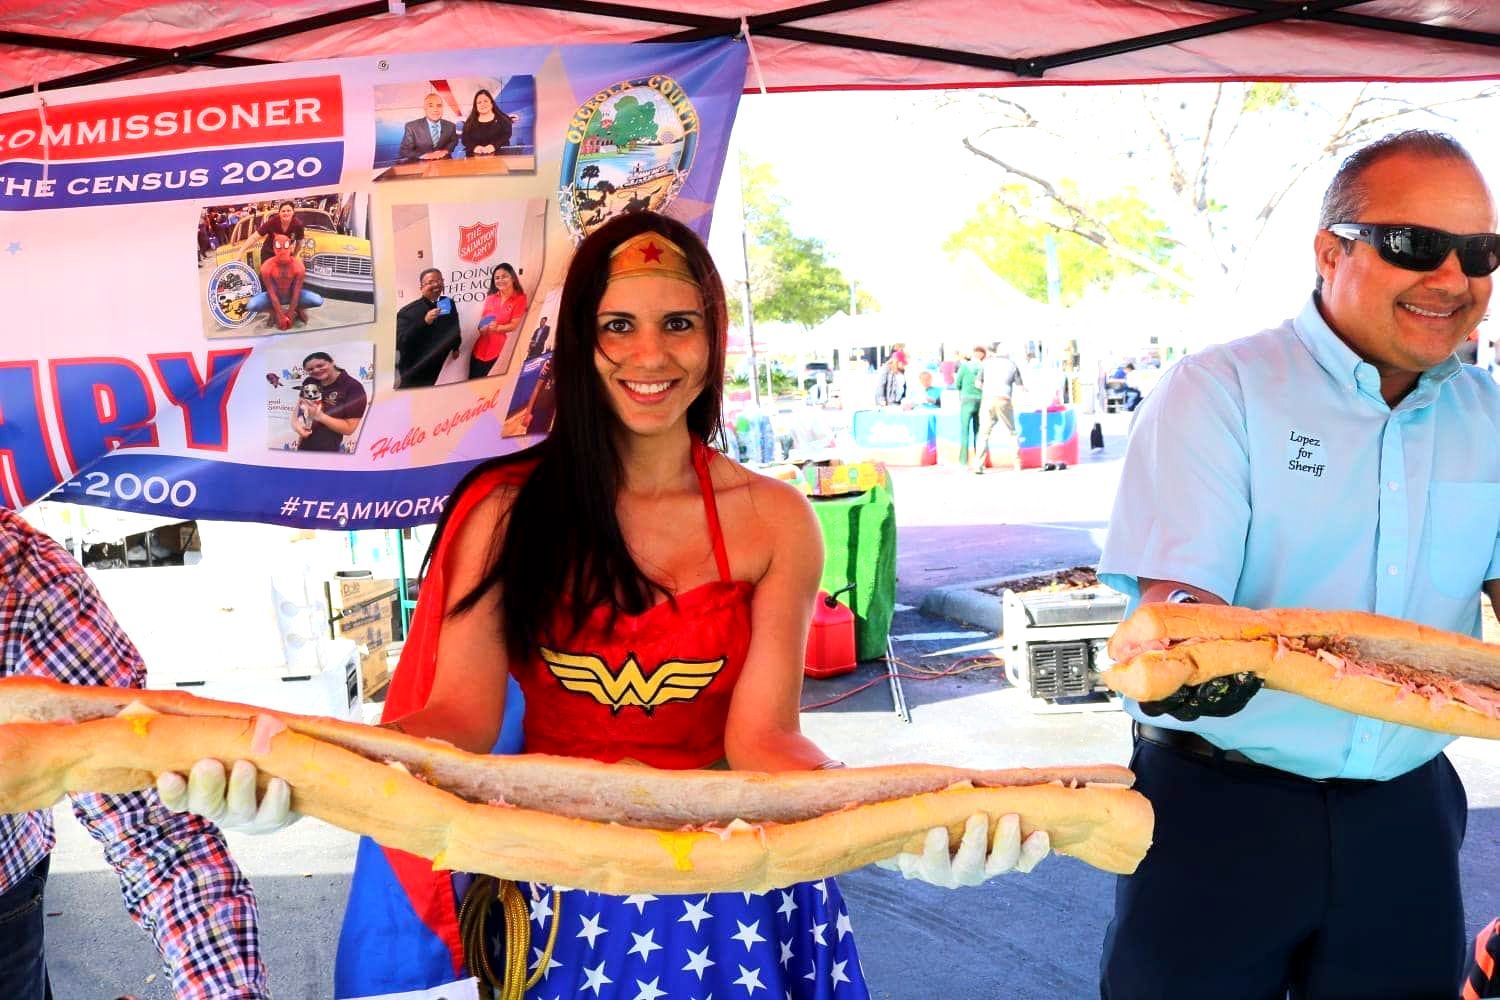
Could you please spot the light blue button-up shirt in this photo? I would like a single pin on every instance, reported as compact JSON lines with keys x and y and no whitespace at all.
{"x":1270,"y":471}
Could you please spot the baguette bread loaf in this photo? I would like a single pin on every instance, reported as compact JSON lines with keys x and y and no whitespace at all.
{"x":684,"y":831}
{"x":1368,"y":664}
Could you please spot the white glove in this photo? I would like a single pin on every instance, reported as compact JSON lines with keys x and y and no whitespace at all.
{"x":969,"y":865}
{"x":233,"y":807}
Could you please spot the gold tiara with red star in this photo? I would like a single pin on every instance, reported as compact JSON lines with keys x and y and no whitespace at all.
{"x":649,"y":255}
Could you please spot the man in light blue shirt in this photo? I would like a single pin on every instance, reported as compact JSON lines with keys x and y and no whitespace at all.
{"x":1344,"y":460}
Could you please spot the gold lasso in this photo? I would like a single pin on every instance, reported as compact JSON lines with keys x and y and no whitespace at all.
{"x":473,"y":920}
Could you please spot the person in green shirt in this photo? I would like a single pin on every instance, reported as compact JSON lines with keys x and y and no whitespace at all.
{"x":970,"y":382}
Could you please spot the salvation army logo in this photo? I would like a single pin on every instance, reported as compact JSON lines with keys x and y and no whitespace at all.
{"x":477,"y":242}
{"x":230,"y":288}
{"x":628,"y":149}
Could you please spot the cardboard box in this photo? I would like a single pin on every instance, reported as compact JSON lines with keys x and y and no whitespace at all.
{"x":373,"y":636}
{"x":346,"y":593}
{"x":375,"y":671}
{"x":840,"y":479}
{"x":348,"y":621}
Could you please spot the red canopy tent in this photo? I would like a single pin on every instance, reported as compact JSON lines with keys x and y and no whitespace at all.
{"x":835,"y":44}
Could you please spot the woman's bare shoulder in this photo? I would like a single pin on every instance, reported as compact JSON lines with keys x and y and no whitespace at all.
{"x":490,"y":509}
{"x":779,"y":505}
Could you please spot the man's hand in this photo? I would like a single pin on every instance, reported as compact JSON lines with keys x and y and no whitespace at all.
{"x":970,"y":865}
{"x":432,"y":315}
{"x":230,"y":804}
{"x":1218,"y":698}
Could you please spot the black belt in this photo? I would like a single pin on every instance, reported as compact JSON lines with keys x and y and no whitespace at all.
{"x":1181,"y":739}
{"x":1191,"y":743}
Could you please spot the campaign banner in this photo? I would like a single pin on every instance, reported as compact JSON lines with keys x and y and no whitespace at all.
{"x":315,"y":294}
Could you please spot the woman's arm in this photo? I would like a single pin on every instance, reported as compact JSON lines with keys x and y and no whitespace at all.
{"x":517,"y":314}
{"x":342,"y":426}
{"x":297,"y":411}
{"x":467,"y":702}
{"x":763,"y":732}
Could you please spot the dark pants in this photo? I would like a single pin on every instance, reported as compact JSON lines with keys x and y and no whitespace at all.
{"x":23,"y":972}
{"x":968,"y":427}
{"x":480,"y":369}
{"x":1259,"y":883}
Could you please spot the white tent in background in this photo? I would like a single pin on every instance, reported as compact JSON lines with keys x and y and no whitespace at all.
{"x":958,"y":303}
{"x":970,"y":304}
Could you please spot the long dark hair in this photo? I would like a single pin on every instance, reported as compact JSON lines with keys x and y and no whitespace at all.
{"x":473,"y":115}
{"x":515,"y":279}
{"x":562,"y":546}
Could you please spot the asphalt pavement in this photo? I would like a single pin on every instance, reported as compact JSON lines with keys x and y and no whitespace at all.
{"x":1031,"y":936}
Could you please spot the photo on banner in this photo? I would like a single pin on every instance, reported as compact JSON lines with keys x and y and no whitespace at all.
{"x":205,"y":374}
{"x":534,"y":403}
{"x":313,"y":395}
{"x":464,"y":277}
{"x":541,"y":337}
{"x":455,"y":127}
{"x":629,"y":149}
{"x":285,"y":265}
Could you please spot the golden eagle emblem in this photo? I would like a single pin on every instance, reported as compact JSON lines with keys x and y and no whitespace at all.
{"x":673,"y":680}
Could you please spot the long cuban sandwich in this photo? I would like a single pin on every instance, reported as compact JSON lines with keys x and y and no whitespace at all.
{"x":1371,"y":665}
{"x":609,"y":827}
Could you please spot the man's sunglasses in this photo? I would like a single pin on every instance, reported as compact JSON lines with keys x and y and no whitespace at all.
{"x":1418,"y":248}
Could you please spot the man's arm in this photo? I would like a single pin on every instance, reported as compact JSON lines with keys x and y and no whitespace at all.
{"x":274,"y":283}
{"x":299,"y":275}
{"x":408,"y":150}
{"x":454,"y":338}
{"x":408,"y":322}
{"x":177,"y":878}
{"x":1160,"y":591}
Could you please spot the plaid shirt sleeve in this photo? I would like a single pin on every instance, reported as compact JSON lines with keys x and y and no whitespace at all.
{"x":176,"y":875}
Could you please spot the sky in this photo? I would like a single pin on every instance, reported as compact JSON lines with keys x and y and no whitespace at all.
{"x":883,"y":178}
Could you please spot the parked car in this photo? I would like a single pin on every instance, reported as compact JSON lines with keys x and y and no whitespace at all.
{"x":337,"y":264}
{"x":810,"y":374}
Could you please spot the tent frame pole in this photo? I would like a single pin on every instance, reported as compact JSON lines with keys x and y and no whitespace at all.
{"x":772,"y":24}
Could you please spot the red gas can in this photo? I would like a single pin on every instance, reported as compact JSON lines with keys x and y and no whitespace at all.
{"x":830,"y":642}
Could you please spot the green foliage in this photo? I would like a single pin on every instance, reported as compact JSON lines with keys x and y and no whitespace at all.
{"x":783,"y":383}
{"x":1009,"y":229}
{"x":633,"y":120}
{"x":1269,"y":97}
{"x":791,"y":279}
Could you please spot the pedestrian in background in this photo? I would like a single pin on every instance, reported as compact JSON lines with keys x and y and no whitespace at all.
{"x":970,"y":382}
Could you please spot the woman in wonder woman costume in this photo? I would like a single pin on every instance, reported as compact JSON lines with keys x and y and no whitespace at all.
{"x":624,"y":550}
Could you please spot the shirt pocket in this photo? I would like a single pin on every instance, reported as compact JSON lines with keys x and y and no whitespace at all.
{"x":1463,"y":521}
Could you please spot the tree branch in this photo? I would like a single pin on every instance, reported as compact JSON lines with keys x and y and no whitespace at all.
{"x":1200,"y":183}
{"x":1083,"y":225}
